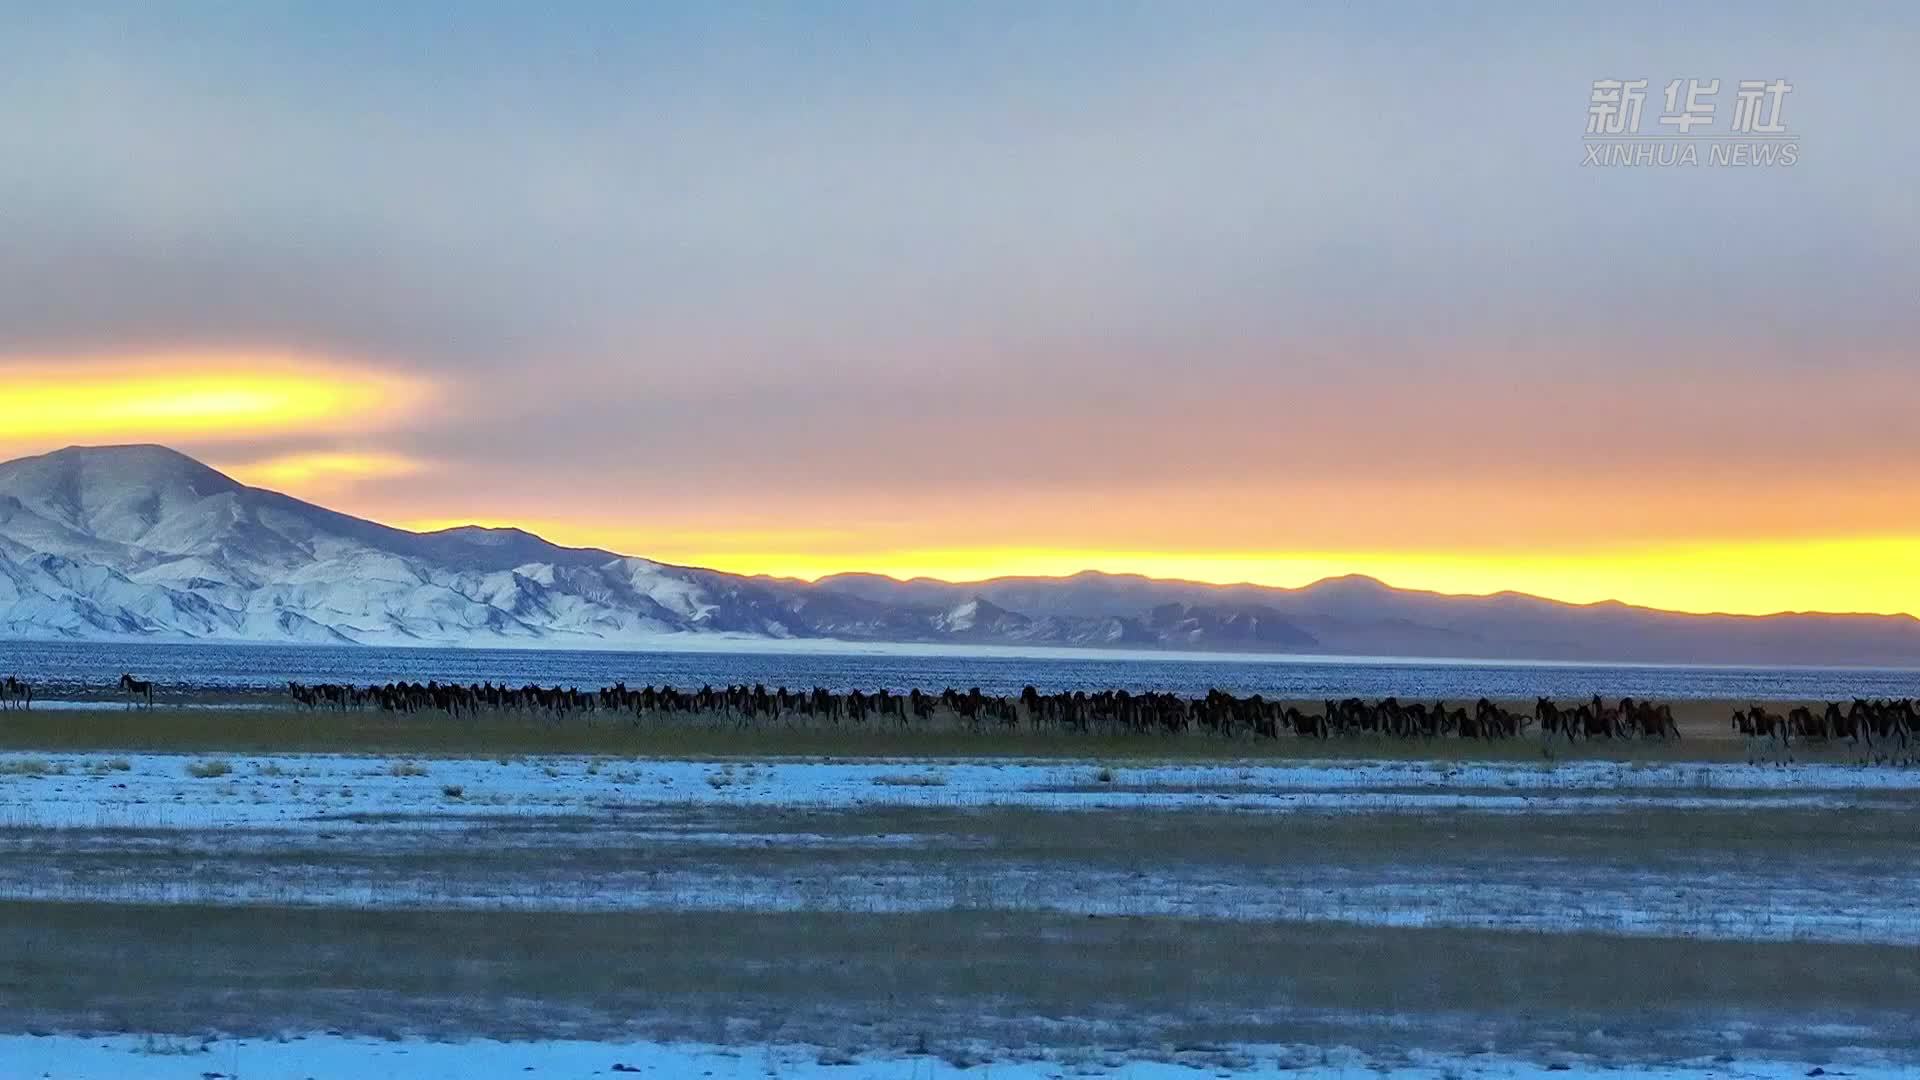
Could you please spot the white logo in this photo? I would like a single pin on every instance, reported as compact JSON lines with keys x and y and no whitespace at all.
{"x":1756,"y":133}
{"x":1615,"y":107}
{"x":1696,"y":108}
{"x":1746,"y":106}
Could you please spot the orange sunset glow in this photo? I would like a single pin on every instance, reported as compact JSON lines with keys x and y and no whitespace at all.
{"x":259,"y":417}
{"x":193,"y":397}
{"x":1862,"y":574}
{"x":312,"y":474}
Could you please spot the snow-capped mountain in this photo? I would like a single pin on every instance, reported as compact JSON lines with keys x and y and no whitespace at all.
{"x":144,"y":542}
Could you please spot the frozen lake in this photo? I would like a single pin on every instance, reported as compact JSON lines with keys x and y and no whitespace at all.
{"x":61,"y":668}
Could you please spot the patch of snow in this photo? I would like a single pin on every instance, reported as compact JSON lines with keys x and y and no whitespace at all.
{"x":339,"y":1057}
{"x":277,"y":807}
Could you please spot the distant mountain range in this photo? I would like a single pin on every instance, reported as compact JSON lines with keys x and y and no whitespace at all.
{"x":142,"y":542}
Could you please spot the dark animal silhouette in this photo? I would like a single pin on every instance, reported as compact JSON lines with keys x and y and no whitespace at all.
{"x":1551,"y":720}
{"x":1762,"y":724}
{"x":15,"y":694}
{"x":1644,"y":719}
{"x":136,"y":690}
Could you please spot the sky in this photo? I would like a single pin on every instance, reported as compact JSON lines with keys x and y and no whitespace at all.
{"x":1226,"y":291}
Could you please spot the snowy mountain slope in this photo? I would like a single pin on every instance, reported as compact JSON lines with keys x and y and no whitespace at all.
{"x":141,"y":541}
{"x":144,"y":542}
{"x":113,"y":542}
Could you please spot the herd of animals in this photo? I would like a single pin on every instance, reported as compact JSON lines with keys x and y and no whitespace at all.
{"x":1104,"y":712}
{"x":1117,"y":712}
{"x":1872,"y":722}
{"x":1881,"y":723}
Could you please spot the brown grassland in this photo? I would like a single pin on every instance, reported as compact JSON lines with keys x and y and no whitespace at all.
{"x":933,"y":980}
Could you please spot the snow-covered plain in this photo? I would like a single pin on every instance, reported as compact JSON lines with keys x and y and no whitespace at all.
{"x":665,"y":835}
{"x":296,"y":789}
{"x":324,"y":1057}
{"x":1014,"y":839}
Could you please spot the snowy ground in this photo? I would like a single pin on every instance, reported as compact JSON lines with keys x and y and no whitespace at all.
{"x":1805,"y":871}
{"x":100,"y":789}
{"x":323,"y":1057}
{"x":571,"y":834}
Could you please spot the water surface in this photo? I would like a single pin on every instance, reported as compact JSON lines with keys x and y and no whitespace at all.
{"x":65,"y":667}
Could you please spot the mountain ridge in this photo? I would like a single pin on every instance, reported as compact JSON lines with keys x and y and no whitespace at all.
{"x":143,"y":542}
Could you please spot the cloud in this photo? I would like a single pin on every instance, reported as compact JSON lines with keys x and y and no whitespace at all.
{"x":322,"y":474}
{"x":196,"y":397}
